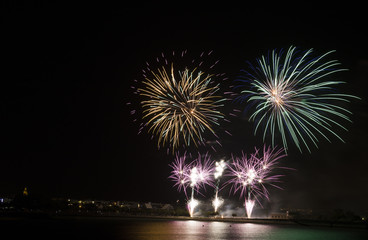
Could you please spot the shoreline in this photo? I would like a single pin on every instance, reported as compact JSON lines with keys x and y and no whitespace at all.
{"x":299,"y":222}
{"x":295,"y":222}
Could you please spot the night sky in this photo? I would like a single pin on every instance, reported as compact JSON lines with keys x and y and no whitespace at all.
{"x":66,"y":130}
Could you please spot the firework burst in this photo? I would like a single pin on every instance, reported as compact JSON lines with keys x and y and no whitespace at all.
{"x":181,"y":101}
{"x":292,"y":97}
{"x":196,"y":175}
{"x":250,"y":175}
{"x":180,"y":173}
{"x":201,"y":173}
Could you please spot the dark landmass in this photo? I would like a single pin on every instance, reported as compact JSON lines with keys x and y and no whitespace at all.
{"x":28,"y":208}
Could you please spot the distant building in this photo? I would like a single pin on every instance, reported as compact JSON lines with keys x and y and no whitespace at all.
{"x":298,"y":212}
{"x":5,"y":200}
{"x":162,"y":206}
{"x":25,"y":192}
{"x":304,"y":211}
{"x":148,"y":205}
{"x":167,"y":207}
{"x":280,"y":215}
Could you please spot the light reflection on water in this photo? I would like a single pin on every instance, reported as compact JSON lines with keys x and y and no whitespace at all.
{"x":197,"y":230}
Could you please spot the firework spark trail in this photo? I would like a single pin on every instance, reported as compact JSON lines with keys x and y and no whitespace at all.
{"x":217,"y":202}
{"x":292,"y":97}
{"x":192,"y":204}
{"x":249,"y":204}
{"x":250,"y":175}
{"x":200,"y":176}
{"x":219,"y":169}
{"x":182,"y":104}
{"x":194,"y":179}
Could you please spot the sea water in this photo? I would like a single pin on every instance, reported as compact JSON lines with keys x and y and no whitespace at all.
{"x":155,"y":229}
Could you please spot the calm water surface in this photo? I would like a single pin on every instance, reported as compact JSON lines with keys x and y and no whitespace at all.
{"x":151,"y":229}
{"x":190,"y":230}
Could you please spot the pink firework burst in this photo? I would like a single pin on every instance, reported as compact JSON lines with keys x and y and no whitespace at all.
{"x":202,"y":171}
{"x":196,"y":174}
{"x":250,"y":175}
{"x":180,"y":173}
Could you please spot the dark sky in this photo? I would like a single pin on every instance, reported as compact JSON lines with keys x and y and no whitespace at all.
{"x":66,"y":75}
